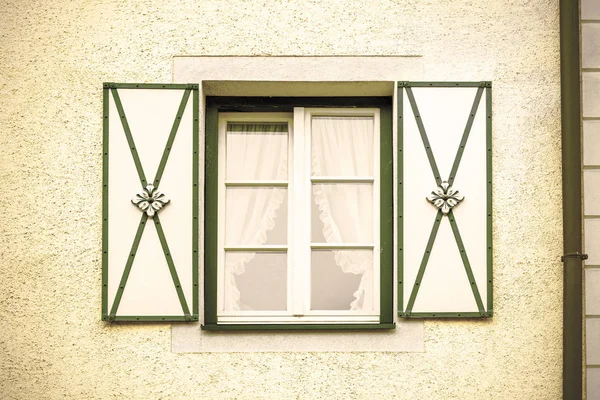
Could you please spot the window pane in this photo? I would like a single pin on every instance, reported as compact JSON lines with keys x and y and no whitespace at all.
{"x":342,"y":146}
{"x":255,"y":281}
{"x":342,"y":213}
{"x":257,"y":151}
{"x":342,"y":280}
{"x":255,"y":216}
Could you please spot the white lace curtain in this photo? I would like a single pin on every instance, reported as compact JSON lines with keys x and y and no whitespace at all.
{"x":254,"y":152}
{"x":341,"y":146}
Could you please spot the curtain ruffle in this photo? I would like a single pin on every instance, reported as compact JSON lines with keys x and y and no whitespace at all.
{"x":343,"y":148}
{"x":252,"y":157}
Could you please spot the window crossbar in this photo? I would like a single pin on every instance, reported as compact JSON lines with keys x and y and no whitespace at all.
{"x":341,"y":246}
{"x":342,"y":179}
{"x":256,"y":248}
{"x":256,"y":183}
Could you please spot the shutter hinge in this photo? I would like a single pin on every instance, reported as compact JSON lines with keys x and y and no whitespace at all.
{"x":579,"y":255}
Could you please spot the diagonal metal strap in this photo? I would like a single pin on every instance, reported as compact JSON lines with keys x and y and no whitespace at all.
{"x":465,"y":136}
{"x":424,"y":261}
{"x":167,"y":151}
{"x":134,"y":154}
{"x":176,"y":282}
{"x":465,"y":259}
{"x":430,"y":157}
{"x":127,"y":270}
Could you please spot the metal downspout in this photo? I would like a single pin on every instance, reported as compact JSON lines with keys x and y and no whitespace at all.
{"x":571,"y":184}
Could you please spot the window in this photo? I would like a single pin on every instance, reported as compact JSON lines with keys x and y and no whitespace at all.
{"x":298,"y":213}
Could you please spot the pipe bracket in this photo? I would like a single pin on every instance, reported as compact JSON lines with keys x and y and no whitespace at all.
{"x":574,"y":255}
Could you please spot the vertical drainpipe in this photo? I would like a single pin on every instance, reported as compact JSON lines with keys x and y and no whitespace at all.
{"x":571,"y":185}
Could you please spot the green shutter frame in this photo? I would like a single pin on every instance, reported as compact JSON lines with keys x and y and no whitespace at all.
{"x":111,"y":89}
{"x":413,"y":287}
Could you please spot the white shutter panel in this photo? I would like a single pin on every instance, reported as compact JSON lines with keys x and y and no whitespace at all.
{"x":150,"y":202}
{"x":445,"y":250}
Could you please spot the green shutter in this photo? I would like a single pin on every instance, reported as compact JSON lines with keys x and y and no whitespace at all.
{"x":445,"y":207}
{"x":150,"y":177}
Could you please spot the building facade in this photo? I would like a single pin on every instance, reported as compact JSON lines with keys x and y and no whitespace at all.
{"x":57,"y":55}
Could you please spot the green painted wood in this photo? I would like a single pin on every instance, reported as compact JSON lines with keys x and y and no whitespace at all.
{"x":466,"y":263}
{"x":465,"y":136}
{"x":128,"y":264}
{"x":488,"y":138}
{"x":113,"y":85}
{"x":424,"y":261}
{"x":296,"y":327}
{"x":287,"y":104}
{"x":211,"y":187}
{"x":154,"y":318}
{"x":421,"y":126}
{"x":105,"y":142}
{"x":445,"y":84}
{"x":400,"y":222}
{"x":386,"y":265}
{"x":125,"y":124}
{"x":171,"y":264}
{"x":195,"y":208}
{"x":171,"y":139}
{"x":423,"y":315}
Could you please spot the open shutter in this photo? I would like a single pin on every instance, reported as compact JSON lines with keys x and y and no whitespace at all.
{"x":150,"y":203}
{"x":445,"y":210}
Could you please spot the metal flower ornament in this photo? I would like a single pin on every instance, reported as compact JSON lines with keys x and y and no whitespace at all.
{"x":150,"y":200}
{"x":445,"y":198}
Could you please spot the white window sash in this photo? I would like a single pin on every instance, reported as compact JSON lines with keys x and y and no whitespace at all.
{"x":299,"y":245}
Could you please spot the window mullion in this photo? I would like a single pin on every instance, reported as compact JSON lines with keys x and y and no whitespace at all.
{"x":306,"y":210}
{"x":297,"y":235}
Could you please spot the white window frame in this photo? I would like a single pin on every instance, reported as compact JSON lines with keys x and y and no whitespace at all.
{"x":298,"y":265}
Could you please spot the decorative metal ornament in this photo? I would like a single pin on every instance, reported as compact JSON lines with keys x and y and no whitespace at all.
{"x":445,"y":198}
{"x":150,"y":200}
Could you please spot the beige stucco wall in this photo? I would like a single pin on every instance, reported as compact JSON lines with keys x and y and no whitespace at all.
{"x":55,"y":55}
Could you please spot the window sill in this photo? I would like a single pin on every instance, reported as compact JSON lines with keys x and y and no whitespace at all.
{"x":294,"y":327}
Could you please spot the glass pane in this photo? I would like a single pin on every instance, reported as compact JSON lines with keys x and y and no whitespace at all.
{"x":255,"y":281}
{"x":255,"y":216}
{"x":342,"y":213}
{"x":342,"y":146}
{"x":257,"y":151}
{"x":341,"y":280}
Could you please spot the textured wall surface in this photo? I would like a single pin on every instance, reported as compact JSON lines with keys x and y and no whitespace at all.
{"x":55,"y":55}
